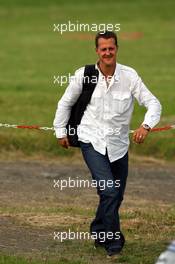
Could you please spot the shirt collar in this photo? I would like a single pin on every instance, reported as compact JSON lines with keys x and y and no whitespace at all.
{"x":116,"y":73}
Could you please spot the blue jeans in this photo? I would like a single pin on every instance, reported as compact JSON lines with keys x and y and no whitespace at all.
{"x":113,"y":175}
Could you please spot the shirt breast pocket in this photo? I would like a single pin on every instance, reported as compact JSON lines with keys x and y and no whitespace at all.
{"x":121,"y":101}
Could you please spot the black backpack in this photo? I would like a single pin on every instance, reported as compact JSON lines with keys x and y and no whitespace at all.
{"x":89,"y":82}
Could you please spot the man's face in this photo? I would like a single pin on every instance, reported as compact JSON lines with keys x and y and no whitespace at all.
{"x":107,"y":51}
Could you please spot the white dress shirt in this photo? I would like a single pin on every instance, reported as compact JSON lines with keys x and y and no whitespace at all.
{"x":106,"y":120}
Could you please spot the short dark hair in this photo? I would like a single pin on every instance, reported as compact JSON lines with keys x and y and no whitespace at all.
{"x":106,"y":35}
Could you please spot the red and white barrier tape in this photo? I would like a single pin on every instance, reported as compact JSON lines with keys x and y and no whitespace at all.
{"x":158,"y":129}
{"x":51,"y":128}
{"x":28,"y":127}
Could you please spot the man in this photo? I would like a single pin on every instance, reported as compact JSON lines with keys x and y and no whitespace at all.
{"x":103,"y":132}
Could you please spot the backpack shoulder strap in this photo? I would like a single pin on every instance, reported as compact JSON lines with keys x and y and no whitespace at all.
{"x":89,"y":82}
{"x":90,"y":77}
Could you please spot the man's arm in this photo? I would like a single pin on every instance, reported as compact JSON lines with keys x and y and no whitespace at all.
{"x":64,"y":106}
{"x":152,"y":116}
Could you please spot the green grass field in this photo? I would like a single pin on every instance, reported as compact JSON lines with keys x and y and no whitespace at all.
{"x":32,"y":53}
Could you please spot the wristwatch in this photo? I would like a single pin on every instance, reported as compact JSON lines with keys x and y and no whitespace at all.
{"x":146,"y":127}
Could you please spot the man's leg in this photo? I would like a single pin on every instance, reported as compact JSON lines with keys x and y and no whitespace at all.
{"x":107,"y":217}
{"x":119,"y":170}
{"x":100,"y":170}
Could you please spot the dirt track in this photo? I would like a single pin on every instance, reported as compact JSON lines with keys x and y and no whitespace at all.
{"x":27,"y":187}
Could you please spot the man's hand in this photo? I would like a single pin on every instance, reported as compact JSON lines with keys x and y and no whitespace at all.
{"x":64,"y":142}
{"x":139,"y":135}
